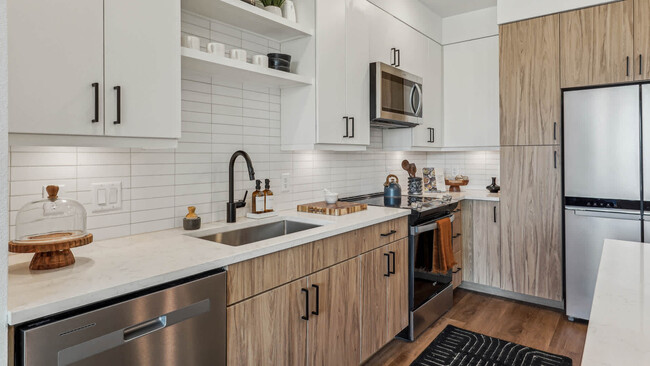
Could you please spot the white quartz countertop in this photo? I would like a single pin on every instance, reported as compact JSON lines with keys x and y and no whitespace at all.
{"x":110,"y":268}
{"x":619,"y":324}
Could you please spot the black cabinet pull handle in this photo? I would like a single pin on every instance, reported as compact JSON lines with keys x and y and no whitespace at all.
{"x":387,"y":274}
{"x":352,"y":121}
{"x":393,"y":52}
{"x":495,"y":214}
{"x":555,"y":159}
{"x":457,"y":236}
{"x":555,"y":131}
{"x":347,"y":123}
{"x":393,"y":271}
{"x":96,"y":87}
{"x":119,"y":105}
{"x":388,"y":233}
{"x":457,"y":270}
{"x":317,"y":312}
{"x":306,"y":316}
{"x":627,"y":60}
{"x":399,"y":58}
{"x":433,"y":135}
{"x":640,"y":64}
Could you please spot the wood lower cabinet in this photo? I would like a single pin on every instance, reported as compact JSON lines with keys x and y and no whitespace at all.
{"x":641,"y":39}
{"x":531,"y":221}
{"x":268,"y":329}
{"x":333,"y":334}
{"x":482,"y":243}
{"x":384,"y":300}
{"x":457,"y":243}
{"x":529,"y":75}
{"x":597,"y":45}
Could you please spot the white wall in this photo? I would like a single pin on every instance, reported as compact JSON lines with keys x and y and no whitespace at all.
{"x":514,"y":10}
{"x":4,"y":178}
{"x":476,"y":24}
{"x":415,"y":14}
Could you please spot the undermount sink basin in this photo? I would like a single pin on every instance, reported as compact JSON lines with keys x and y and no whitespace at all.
{"x":254,"y":234}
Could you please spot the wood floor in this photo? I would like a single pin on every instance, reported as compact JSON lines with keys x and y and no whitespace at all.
{"x":528,"y":325}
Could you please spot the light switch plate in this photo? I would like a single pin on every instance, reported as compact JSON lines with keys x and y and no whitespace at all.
{"x":106,"y":196}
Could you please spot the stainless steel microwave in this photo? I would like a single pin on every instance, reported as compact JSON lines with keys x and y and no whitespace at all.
{"x":395,"y":97}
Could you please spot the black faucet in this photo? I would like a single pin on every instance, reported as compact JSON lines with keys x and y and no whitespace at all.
{"x":232,"y":206}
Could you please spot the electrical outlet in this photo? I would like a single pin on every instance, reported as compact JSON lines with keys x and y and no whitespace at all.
{"x":106,"y":196}
{"x":285,"y":183}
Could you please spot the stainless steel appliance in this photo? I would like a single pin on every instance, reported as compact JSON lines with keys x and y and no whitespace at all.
{"x":430,"y":295}
{"x":604,"y":190}
{"x":180,"y":324}
{"x":395,"y":97}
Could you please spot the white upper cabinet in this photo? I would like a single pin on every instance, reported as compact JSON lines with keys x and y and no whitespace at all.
{"x":55,"y":56}
{"x":471,"y":93}
{"x":142,"y":58}
{"x":65,"y":58}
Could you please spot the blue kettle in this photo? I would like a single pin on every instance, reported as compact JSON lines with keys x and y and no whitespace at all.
{"x":392,"y":192}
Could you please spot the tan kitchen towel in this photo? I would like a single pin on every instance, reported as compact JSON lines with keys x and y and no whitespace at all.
{"x":443,"y":252}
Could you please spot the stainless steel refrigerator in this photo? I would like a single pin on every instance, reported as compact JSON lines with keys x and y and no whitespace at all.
{"x":606,"y":176}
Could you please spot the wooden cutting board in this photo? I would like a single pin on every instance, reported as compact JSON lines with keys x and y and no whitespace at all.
{"x":334,"y":209}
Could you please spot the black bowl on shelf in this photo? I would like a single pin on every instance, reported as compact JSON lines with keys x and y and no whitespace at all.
{"x":282,"y":56}
{"x":281,"y":68}
{"x":276,"y":62}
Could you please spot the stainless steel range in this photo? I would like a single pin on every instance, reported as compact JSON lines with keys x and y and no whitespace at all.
{"x":430,"y":295}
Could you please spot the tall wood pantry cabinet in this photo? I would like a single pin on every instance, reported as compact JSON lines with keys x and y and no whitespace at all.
{"x":531,"y":195}
{"x":95,"y":68}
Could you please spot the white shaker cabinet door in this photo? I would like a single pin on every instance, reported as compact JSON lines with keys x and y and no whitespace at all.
{"x":358,"y":71}
{"x":430,"y":132}
{"x":142,"y":51}
{"x":330,"y":71}
{"x":383,"y":35}
{"x":55,"y":56}
{"x":471,"y":93}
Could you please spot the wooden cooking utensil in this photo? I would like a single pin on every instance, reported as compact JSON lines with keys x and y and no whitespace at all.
{"x":406,"y":166}
{"x":412,"y":170}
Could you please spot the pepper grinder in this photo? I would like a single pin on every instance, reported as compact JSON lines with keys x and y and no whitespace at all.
{"x":191,"y":220}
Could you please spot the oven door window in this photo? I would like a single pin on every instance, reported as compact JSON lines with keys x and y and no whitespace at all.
{"x":400,"y":96}
{"x":426,"y":284}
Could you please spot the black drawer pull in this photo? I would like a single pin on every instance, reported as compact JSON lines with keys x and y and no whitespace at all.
{"x":119,"y":105}
{"x":495,"y":214}
{"x":627,"y":60}
{"x":393,"y":271}
{"x":640,"y":64}
{"x":387,"y":274}
{"x":306,"y":316}
{"x":457,"y":270}
{"x":392,"y":232}
{"x":317,"y":312}
{"x":96,"y":87}
{"x":456,"y":236}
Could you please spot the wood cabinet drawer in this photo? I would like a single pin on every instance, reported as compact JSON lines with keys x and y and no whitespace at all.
{"x":336,"y":249}
{"x":384,"y":233}
{"x":246,"y":279}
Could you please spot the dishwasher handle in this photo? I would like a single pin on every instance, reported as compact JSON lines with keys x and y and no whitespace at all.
{"x":142,"y":329}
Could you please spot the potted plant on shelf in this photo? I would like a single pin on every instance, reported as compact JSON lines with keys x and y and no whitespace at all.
{"x":273,"y":6}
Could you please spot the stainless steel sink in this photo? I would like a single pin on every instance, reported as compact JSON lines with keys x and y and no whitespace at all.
{"x":254,"y":234}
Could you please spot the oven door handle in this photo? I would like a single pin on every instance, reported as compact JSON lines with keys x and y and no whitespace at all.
{"x":427,"y":227}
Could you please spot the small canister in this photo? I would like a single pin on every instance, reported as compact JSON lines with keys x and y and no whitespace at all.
{"x":191,"y":220}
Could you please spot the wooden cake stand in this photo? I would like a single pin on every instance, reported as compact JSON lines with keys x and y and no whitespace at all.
{"x":454,"y":185}
{"x":51,"y":250}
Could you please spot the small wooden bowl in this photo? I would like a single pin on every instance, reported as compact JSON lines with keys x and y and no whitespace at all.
{"x":454,"y":185}
{"x":51,"y":250}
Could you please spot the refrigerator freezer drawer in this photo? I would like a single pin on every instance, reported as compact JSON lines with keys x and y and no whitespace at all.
{"x":585,"y":235}
{"x":181,"y":325}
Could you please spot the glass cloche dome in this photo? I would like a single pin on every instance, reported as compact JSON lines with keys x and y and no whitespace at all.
{"x":50,"y":219}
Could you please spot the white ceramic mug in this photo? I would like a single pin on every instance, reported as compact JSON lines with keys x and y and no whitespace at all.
{"x":238,"y":54}
{"x":191,"y":42}
{"x":261,"y":60}
{"x":217,"y":48}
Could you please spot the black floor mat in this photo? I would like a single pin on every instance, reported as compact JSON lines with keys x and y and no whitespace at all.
{"x":459,"y":347}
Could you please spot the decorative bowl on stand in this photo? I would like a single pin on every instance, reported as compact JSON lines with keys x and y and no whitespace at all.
{"x":454,"y":185}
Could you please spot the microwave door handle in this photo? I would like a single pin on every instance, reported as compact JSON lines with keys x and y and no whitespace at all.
{"x":419,"y":107}
{"x":412,"y":97}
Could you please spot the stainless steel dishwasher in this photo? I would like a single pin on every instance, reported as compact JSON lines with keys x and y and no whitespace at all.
{"x":182,"y":323}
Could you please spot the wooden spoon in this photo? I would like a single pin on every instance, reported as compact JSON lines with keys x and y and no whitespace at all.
{"x":412,"y":170}
{"x":406,"y":166}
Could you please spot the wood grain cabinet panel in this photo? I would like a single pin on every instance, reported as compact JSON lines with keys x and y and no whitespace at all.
{"x":531,"y":221}
{"x":249,"y":278}
{"x":597,"y":45}
{"x":268,"y":329}
{"x":530,"y":95}
{"x":333,"y":335}
{"x":374,"y":300}
{"x":330,"y":251}
{"x":482,"y":243}
{"x":641,"y":39}
{"x":398,"y":299}
{"x":384,"y":233}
